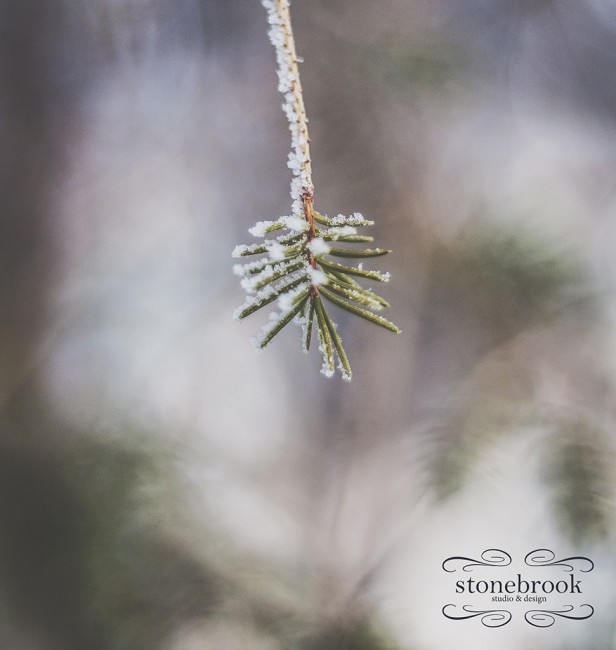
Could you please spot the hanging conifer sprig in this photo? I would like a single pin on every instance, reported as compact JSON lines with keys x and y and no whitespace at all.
{"x":296,"y":268}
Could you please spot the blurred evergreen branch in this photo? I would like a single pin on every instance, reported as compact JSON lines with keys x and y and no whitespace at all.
{"x":486,"y":287}
{"x":363,"y":635}
{"x":506,"y":279}
{"x":578,"y":472}
{"x":412,"y":65}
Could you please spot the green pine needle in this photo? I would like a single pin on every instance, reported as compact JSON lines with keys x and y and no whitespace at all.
{"x":344,"y":279}
{"x":327,"y":349}
{"x":255,"y":303}
{"x":364,"y":298}
{"x":358,"y":311}
{"x":345,"y":366}
{"x":351,"y":239}
{"x":344,"y":283}
{"x":308,"y":327}
{"x":279,"y":271}
{"x":349,"y":252}
{"x":269,"y":334}
{"x":354,"y":270}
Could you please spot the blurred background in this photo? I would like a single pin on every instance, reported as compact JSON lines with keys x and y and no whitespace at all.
{"x":162,"y":487}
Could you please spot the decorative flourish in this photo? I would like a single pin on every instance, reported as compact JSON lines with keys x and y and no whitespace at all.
{"x":545,"y":557}
{"x":489,"y":618}
{"x":547,"y":618}
{"x":296,"y":269}
{"x":490,"y":557}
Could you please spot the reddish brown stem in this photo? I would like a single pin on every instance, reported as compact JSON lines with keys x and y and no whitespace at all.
{"x":308,"y":201}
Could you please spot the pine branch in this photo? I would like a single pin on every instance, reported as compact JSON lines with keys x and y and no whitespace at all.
{"x":295,"y":271}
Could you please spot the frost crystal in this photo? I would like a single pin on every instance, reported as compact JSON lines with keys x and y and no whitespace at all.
{"x":317,"y":277}
{"x":328,"y":367}
{"x":239,"y":250}
{"x":356,"y":219}
{"x":263,"y":227}
{"x":318,"y":247}
{"x":345,"y":374}
{"x":342,"y":231}
{"x":287,"y":300}
{"x":295,"y":223}
{"x":276,"y":250}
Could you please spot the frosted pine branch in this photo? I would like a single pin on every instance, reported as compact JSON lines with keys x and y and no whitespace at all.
{"x":295,"y":270}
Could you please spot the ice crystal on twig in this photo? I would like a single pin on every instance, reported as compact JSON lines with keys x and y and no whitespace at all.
{"x":296,"y":269}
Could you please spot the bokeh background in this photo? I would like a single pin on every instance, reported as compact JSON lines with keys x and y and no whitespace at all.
{"x":162,"y":487}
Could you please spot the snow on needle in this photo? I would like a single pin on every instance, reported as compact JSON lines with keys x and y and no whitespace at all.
{"x":296,"y":270}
